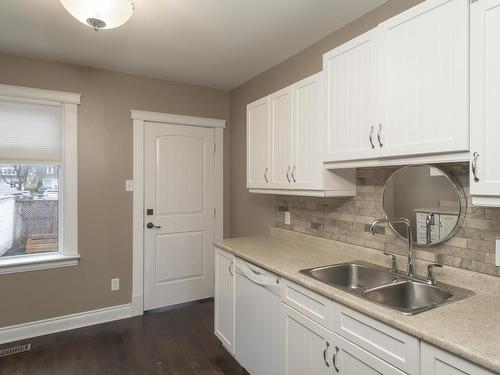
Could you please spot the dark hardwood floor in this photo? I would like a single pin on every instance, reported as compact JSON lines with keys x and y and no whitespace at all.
{"x":174,"y":342}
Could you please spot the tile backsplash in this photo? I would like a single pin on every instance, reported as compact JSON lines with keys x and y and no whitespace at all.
{"x":348,"y":220}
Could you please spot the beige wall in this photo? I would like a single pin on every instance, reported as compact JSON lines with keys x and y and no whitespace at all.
{"x":105,"y":162}
{"x":252,"y":213}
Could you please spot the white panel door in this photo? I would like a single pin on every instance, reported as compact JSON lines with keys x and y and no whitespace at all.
{"x":179,"y":189}
{"x":307,"y":165}
{"x":351,"y":97}
{"x":438,"y":362}
{"x":426,"y":79}
{"x":258,"y":144}
{"x":281,"y":138}
{"x":307,"y":345}
{"x":224,"y":298}
{"x":485,"y":97}
{"x":350,"y":359}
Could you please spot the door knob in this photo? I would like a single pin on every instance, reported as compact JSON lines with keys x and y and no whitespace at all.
{"x":151,"y":226}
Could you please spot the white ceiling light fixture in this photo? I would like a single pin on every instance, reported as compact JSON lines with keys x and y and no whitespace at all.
{"x":100,"y":14}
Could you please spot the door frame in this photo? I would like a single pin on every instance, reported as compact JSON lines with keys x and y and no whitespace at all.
{"x":139,"y":119}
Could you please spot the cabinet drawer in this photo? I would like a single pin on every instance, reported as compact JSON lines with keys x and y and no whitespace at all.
{"x":351,"y":359}
{"x":389,"y":344}
{"x":311,"y":304}
{"x":436,"y":361}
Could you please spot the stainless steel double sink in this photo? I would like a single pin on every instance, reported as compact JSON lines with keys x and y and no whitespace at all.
{"x":393,"y":290}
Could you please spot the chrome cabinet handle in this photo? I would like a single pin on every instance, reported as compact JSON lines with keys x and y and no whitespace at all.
{"x":334,"y":359}
{"x":324,"y":353}
{"x":475,"y":155}
{"x":379,"y":135}
{"x":293,"y":174}
{"x":265,"y":176}
{"x":230,"y":269}
{"x":151,"y":226}
{"x":288,"y":173}
{"x":371,"y":136}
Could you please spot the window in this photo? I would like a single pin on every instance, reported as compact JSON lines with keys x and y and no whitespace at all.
{"x":38,"y":179}
{"x":29,"y":209}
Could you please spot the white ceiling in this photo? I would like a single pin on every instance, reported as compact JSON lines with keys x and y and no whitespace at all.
{"x":216,"y":43}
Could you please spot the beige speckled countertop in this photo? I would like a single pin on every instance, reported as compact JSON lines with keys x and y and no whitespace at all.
{"x":469,"y":328}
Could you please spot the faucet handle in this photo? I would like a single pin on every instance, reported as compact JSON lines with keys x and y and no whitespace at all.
{"x":393,"y":261}
{"x":430,"y":279}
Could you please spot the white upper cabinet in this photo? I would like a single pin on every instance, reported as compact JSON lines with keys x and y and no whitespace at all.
{"x":401,"y":90}
{"x":351,"y":74}
{"x":284,"y":144}
{"x":307,"y":161}
{"x":258,"y":144}
{"x":485,"y":99}
{"x":425,"y":93}
{"x":281,"y":138}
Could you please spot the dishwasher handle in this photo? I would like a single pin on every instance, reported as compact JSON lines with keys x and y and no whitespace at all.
{"x":261,"y":278}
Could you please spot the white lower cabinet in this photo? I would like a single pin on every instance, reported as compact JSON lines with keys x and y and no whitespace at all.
{"x":436,"y":361}
{"x":322,"y":337}
{"x":351,"y":359}
{"x":307,"y":345}
{"x":224,"y":298}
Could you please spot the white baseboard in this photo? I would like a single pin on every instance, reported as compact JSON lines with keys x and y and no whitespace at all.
{"x":64,"y":323}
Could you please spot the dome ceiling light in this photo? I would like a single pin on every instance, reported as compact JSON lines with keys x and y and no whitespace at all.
{"x":100,"y":14}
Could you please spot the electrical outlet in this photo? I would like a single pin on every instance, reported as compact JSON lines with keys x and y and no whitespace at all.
{"x":115,"y":284}
{"x":497,"y":252}
{"x":129,"y":185}
{"x":287,"y":217}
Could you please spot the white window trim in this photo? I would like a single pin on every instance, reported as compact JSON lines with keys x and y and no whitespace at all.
{"x":68,"y":253}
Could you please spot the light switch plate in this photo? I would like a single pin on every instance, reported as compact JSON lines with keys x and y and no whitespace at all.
{"x":287,"y":217}
{"x":497,"y":252}
{"x":129,"y":185}
{"x":115,"y":284}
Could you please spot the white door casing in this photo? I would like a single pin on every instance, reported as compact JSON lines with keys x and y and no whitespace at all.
{"x":178,"y":232}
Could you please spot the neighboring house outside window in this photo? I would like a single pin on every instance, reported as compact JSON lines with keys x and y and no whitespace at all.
{"x":38,"y":199}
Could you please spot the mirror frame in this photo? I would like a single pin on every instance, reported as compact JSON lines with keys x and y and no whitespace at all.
{"x":462,"y":200}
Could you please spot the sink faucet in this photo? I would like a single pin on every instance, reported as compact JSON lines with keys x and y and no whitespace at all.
{"x":410,"y":272}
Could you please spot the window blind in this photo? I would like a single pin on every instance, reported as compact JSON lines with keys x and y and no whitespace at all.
{"x":30,"y":133}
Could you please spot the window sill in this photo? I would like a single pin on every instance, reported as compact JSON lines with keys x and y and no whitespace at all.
{"x":37,"y":262}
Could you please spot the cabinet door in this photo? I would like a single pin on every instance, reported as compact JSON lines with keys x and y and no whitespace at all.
{"x":351,"y":76}
{"x":438,"y":362}
{"x":224,"y":298}
{"x":307,"y":166}
{"x":485,"y":96}
{"x":281,"y":139}
{"x":258,"y":144}
{"x":426,"y":80}
{"x":350,"y":359}
{"x":307,"y":345}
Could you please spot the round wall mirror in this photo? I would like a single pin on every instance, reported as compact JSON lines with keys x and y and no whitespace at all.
{"x":430,"y":198}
